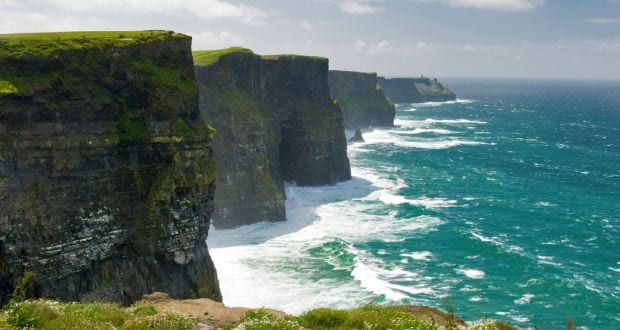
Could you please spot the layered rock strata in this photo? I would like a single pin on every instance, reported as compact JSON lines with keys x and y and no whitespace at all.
{"x":275,"y":122}
{"x":106,"y":169}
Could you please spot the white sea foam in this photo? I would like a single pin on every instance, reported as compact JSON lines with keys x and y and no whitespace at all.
{"x":520,"y":318}
{"x":409,"y":123}
{"x":545,"y":204}
{"x":437,"y":144}
{"x":419,"y":130}
{"x":390,"y":198}
{"x":468,"y":288}
{"x":471,"y":273}
{"x":547,"y":260}
{"x":385,"y":137}
{"x":370,"y":281}
{"x":437,"y":104}
{"x":525,"y":299}
{"x":499,"y":243}
{"x":422,"y":255}
{"x":257,"y":258}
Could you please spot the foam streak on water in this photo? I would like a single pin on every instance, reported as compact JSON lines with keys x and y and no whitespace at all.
{"x":483,"y":201}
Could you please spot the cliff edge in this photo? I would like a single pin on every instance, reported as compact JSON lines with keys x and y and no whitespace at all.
{"x":275,"y":122}
{"x":415,"y":90}
{"x":361,"y":99}
{"x":106,"y":170}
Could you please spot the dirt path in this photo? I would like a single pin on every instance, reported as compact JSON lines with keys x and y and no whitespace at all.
{"x":210,"y":314}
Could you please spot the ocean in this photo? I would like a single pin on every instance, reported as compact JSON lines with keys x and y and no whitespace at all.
{"x":503,"y":204}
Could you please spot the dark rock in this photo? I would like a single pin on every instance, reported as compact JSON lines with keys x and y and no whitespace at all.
{"x":361,"y":99}
{"x":358,"y":136}
{"x":275,"y":121}
{"x":106,"y":174}
{"x":415,"y":90}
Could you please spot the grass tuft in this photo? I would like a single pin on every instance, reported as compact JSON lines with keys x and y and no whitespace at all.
{"x":48,"y":315}
{"x":208,"y":57}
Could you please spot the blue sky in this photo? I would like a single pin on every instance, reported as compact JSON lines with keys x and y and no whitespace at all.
{"x":457,"y":38}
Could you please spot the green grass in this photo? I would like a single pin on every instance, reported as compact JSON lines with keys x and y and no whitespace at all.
{"x":166,"y":75}
{"x":24,"y":45}
{"x":47,"y":314}
{"x":82,"y":34}
{"x":6,"y":87}
{"x":208,"y":57}
{"x":292,"y":56}
{"x":365,"y":317}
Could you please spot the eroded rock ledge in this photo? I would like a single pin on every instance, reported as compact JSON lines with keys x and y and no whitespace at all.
{"x":361,"y":99}
{"x":106,"y":170}
{"x":275,"y":122}
{"x":415,"y":90}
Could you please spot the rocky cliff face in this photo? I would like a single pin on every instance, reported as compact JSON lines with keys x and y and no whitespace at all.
{"x":106,"y":171}
{"x":275,"y":122}
{"x":361,"y":99}
{"x":415,"y":90}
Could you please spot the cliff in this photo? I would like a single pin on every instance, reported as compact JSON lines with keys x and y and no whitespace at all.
{"x":361,"y":99}
{"x":275,"y":122}
{"x":106,"y":170}
{"x":415,"y":90}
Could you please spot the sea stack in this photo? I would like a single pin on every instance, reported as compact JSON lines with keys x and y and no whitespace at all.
{"x":358,"y":136}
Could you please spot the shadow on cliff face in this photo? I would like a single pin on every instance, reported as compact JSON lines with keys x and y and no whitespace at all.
{"x":301,"y":204}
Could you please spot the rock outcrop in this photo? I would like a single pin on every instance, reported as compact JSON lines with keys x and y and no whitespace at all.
{"x":361,"y":99}
{"x":275,"y":122}
{"x":357,"y":137}
{"x":106,"y":170}
{"x":415,"y":90}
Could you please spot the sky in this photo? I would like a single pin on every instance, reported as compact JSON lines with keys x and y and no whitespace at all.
{"x":559,"y":39}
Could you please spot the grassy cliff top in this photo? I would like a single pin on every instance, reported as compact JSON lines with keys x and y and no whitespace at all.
{"x":347,"y":72}
{"x":22,"y":45}
{"x":208,"y":57}
{"x":293,"y":56}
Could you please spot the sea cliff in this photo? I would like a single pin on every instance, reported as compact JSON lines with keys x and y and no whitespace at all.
{"x":106,"y":170}
{"x":275,"y":122}
{"x":415,"y":90}
{"x":361,"y":99}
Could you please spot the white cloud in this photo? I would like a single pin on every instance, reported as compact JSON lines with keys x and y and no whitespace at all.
{"x":505,"y":5}
{"x":9,"y":4}
{"x":360,"y":45}
{"x":206,"y":9}
{"x":602,"y":20}
{"x":211,"y":40}
{"x":422,"y":45}
{"x":307,"y":25}
{"x":15,"y":22}
{"x":382,"y":46}
{"x":356,"y":7}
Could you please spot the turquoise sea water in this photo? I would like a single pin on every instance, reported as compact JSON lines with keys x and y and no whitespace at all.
{"x":507,"y":202}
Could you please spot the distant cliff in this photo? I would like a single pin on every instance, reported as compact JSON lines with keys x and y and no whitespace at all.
{"x":275,"y":121}
{"x":361,"y":99}
{"x":106,"y":170}
{"x":415,"y":90}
